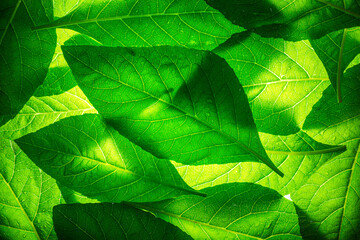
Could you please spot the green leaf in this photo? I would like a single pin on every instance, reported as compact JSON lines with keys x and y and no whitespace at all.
{"x":282,"y":80}
{"x":59,"y":77}
{"x":62,"y":8}
{"x":111,"y":221}
{"x":329,"y":202}
{"x":336,"y":50}
{"x":177,"y":103}
{"x":297,"y":155}
{"x":143,"y":23}
{"x":24,"y":55}
{"x":291,"y":20}
{"x":27,"y":196}
{"x":231,"y":211}
{"x":40,"y":112}
{"x":84,"y":154}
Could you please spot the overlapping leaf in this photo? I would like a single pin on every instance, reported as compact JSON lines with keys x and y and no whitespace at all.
{"x":142,"y":23}
{"x":297,"y":155}
{"x":281,"y":79}
{"x":231,"y":211}
{"x":40,"y":112}
{"x":111,"y":221}
{"x":177,"y":103}
{"x":336,"y":50}
{"x":291,"y":20}
{"x":329,"y":202}
{"x":24,"y":55}
{"x":27,"y":196}
{"x":84,"y":154}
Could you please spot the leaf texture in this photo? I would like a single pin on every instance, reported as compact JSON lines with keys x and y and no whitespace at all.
{"x":27,"y":196}
{"x":111,"y":221}
{"x":336,"y":50}
{"x":282,"y":80}
{"x":177,"y":103}
{"x":40,"y":112}
{"x":24,"y":55}
{"x":140,"y":23}
{"x":84,"y":154}
{"x":291,"y":20}
{"x":231,"y":211}
{"x":329,"y":202}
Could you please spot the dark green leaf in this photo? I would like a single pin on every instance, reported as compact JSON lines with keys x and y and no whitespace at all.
{"x":111,"y":221}
{"x":27,"y":196}
{"x":143,"y":23}
{"x":231,"y":211}
{"x":336,"y":50}
{"x":84,"y":154}
{"x":282,"y":80}
{"x":177,"y":103}
{"x":291,"y":20}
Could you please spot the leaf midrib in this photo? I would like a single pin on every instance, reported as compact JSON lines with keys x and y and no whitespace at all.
{"x":10,"y":21}
{"x":315,"y":152}
{"x":229,"y":137}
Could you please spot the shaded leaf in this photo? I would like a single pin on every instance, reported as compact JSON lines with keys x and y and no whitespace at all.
{"x":111,"y":221}
{"x":291,"y":20}
{"x":177,"y":103}
{"x":282,"y":80}
{"x":27,"y":196}
{"x":24,"y":55}
{"x":329,"y":202}
{"x":84,"y":154}
{"x":336,"y":50}
{"x":231,"y":211}
{"x":40,"y":112}
{"x":140,"y":23}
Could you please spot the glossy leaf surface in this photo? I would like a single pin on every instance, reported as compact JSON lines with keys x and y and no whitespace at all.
{"x":177,"y":103}
{"x":84,"y":154}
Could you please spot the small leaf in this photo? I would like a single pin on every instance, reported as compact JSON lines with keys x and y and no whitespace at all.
{"x":84,"y":154}
{"x":24,"y":55}
{"x":143,"y":23}
{"x":177,"y":103}
{"x":329,"y":202}
{"x":336,"y":50}
{"x":40,"y":112}
{"x":282,"y":79}
{"x":231,"y":211}
{"x":111,"y":221}
{"x":27,"y":196}
{"x":291,"y":20}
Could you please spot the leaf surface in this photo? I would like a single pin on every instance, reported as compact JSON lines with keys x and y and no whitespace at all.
{"x":140,"y":23}
{"x":336,"y":50}
{"x":27,"y":196}
{"x":177,"y":103}
{"x":231,"y":211}
{"x":329,"y":202}
{"x":282,"y":79}
{"x":40,"y":112}
{"x":291,"y":20}
{"x":111,"y":221}
{"x":24,"y":55}
{"x":84,"y":154}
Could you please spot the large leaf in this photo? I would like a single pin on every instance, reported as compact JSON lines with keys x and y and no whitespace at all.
{"x":143,"y":23}
{"x":111,"y":221}
{"x":178,"y":103}
{"x":281,"y":79}
{"x":329,"y":202}
{"x":40,"y":112}
{"x":291,"y":20}
{"x":336,"y":50}
{"x":27,"y":196}
{"x":297,"y":155}
{"x":24,"y":55}
{"x":84,"y":154}
{"x":231,"y":211}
